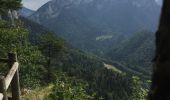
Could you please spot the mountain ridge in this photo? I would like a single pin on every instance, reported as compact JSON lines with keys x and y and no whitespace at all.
{"x":100,"y":25}
{"x":25,"y":12}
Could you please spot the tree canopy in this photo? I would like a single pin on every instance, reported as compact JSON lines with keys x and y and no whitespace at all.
{"x":10,"y":4}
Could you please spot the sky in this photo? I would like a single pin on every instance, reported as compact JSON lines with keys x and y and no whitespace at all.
{"x":159,"y":1}
{"x":33,"y":4}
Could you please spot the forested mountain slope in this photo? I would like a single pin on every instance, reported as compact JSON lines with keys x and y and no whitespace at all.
{"x":46,"y":59}
{"x":104,"y":26}
{"x":102,"y":83}
{"x":80,"y":22}
{"x":136,"y":53}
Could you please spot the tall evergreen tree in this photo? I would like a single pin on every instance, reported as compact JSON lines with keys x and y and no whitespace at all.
{"x":50,"y":46}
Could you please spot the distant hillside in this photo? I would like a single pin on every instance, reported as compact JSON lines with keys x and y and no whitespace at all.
{"x":80,"y":22}
{"x":102,"y":82}
{"x":34,"y":29}
{"x":136,"y":53}
{"x":25,"y":12}
{"x":106,"y":27}
{"x":37,"y":30}
{"x":59,"y":71}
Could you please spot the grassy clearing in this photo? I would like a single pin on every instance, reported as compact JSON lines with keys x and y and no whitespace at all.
{"x":112,"y":68}
{"x":104,"y":37}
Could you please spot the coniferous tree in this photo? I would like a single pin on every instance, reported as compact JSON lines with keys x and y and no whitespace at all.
{"x":50,"y":46}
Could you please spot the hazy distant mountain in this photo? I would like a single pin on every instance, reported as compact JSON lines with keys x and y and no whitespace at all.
{"x":25,"y":12}
{"x":82,"y":21}
{"x":101,"y":25}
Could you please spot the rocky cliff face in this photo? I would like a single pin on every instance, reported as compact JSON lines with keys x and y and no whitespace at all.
{"x":53,"y":8}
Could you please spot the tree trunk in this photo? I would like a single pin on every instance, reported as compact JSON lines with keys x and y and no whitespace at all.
{"x":160,"y":88}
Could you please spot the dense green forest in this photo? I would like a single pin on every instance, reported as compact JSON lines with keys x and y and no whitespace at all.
{"x":136,"y":53}
{"x":46,"y":59}
{"x":119,"y":30}
{"x":37,"y":71}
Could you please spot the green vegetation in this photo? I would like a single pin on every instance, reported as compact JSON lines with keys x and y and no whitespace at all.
{"x":31,"y":59}
{"x":68,"y":88}
{"x":9,"y":7}
{"x":64,"y":88}
{"x":138,"y":92}
{"x":85,"y":76}
{"x":108,"y":28}
{"x":65,"y":72}
{"x":135,"y":53}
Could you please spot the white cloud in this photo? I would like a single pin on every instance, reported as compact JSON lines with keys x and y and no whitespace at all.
{"x":33,"y":4}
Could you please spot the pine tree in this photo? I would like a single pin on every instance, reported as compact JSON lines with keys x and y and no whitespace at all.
{"x":50,"y":46}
